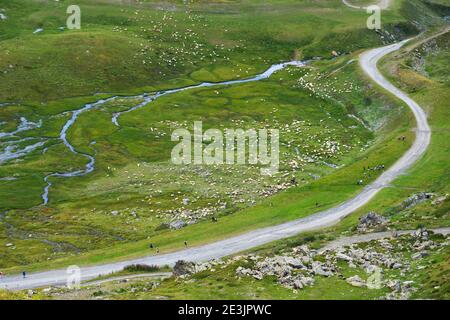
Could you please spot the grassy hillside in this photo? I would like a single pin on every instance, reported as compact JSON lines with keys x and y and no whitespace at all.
{"x":123,"y":48}
{"x":134,"y":192}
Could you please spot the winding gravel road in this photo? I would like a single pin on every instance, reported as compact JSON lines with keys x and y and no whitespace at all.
{"x":368,"y":62}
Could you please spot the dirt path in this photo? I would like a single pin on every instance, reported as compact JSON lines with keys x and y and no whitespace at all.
{"x":159,"y":275}
{"x":383,"y":4}
{"x":374,"y":236}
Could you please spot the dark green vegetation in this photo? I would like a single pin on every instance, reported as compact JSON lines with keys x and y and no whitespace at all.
{"x":126,"y":203}
{"x":141,"y":268}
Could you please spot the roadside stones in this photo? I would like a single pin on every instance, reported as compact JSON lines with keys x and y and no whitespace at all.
{"x":421,"y":234}
{"x":294,"y":271}
{"x":303,"y":250}
{"x":183,"y":268}
{"x":276,"y":266}
{"x":294,"y":263}
{"x":321,"y":269}
{"x":242,"y":272}
{"x":420,"y":246}
{"x":298,"y":268}
{"x":367,"y":259}
{"x":400,"y":290}
{"x":299,"y":283}
{"x":416,"y":198}
{"x":371,"y":221}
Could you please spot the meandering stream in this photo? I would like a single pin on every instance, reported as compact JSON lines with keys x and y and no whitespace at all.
{"x":90,"y":166}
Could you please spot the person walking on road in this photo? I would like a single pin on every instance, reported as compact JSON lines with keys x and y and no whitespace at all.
{"x":24,"y":274}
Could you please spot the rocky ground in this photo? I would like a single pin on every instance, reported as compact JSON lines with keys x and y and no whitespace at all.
{"x":384,"y":263}
{"x":390,"y":266}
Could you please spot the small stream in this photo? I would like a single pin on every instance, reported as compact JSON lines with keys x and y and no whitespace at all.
{"x":90,"y":166}
{"x":266,"y":74}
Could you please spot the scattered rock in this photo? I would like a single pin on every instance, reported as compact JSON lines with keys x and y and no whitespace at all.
{"x":356,"y":281}
{"x":344,"y":257}
{"x":419,"y":255}
{"x":297,"y":269}
{"x":416,"y":198}
{"x":394,"y":285}
{"x":321,"y":269}
{"x":302,"y":282}
{"x":421,"y":234}
{"x":177,"y":224}
{"x":294,"y":263}
{"x":183,"y":268}
{"x":371,"y":221}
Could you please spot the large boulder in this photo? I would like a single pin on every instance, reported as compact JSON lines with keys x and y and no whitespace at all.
{"x":183,"y":268}
{"x":321,"y":269}
{"x":177,"y":224}
{"x":302,"y":282}
{"x":421,"y":234}
{"x":371,"y":221}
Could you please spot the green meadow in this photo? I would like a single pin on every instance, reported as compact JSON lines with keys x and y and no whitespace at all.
{"x":333,"y":122}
